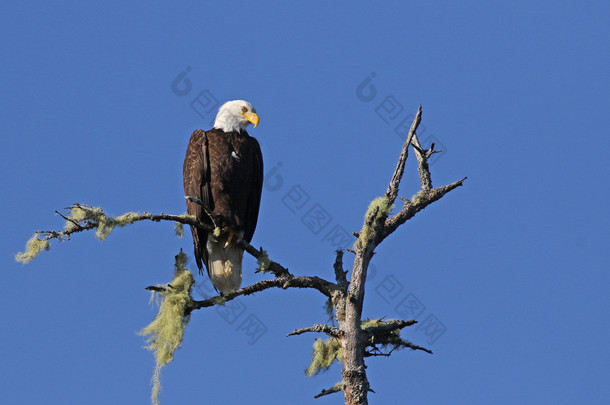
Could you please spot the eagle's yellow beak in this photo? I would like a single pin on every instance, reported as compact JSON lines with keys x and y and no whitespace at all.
{"x":252,"y":117}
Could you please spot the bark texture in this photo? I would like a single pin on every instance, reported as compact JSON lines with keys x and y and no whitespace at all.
{"x":358,"y":341}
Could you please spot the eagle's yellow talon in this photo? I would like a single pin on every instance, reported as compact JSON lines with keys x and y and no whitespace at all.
{"x":230,"y":237}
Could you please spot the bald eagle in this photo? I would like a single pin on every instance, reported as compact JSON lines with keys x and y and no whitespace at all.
{"x":223,"y":170}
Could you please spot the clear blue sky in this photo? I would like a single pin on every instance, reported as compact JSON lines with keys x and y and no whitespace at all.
{"x":511,"y":270}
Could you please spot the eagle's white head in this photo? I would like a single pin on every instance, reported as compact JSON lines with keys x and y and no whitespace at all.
{"x":235,"y":115}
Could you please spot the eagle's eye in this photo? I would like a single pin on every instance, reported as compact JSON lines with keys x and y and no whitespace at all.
{"x":244,"y":108}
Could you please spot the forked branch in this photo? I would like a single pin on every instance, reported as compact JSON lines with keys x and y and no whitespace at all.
{"x":377,"y":226}
{"x":357,"y":339}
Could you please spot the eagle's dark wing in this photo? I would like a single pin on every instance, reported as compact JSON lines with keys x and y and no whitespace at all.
{"x":254,"y":195}
{"x":196,"y":172}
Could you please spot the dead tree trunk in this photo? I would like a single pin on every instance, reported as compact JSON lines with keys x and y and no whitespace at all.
{"x":357,"y":339}
{"x":377,"y":226}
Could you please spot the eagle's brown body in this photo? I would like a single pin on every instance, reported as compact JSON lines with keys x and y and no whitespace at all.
{"x":225,"y":171}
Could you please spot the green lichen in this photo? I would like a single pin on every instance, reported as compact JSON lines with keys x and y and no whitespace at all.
{"x":390,"y":340}
{"x":84,"y":217}
{"x":81,"y":213}
{"x":340,"y":314}
{"x":325,"y":352}
{"x":264,"y":263}
{"x":179,"y":229}
{"x":378,"y":211}
{"x":417,"y":197}
{"x":166,"y":331}
{"x":181,"y":259}
{"x":219,"y":300}
{"x":105,"y":224}
{"x":33,"y":247}
{"x":368,"y":323}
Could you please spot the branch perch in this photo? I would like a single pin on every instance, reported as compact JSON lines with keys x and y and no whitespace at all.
{"x":354,"y":339}
{"x":320,"y":328}
{"x":335,"y":388}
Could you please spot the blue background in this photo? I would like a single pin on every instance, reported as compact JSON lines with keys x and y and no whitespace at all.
{"x":512,"y":267}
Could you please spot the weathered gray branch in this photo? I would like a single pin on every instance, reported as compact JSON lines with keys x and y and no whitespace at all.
{"x":346,"y":296}
{"x":335,"y":388}
{"x":392,"y":191}
{"x":389,"y":326}
{"x":340,"y":274}
{"x":286,"y":281}
{"x":377,"y":226}
{"x":89,"y":224}
{"x":319,"y":328}
{"x":387,"y":334}
{"x":409,"y":209}
{"x":422,"y":163}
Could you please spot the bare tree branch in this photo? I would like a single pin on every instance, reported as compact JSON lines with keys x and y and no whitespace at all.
{"x":335,"y":388}
{"x":88,"y":224}
{"x":320,"y":328}
{"x":424,"y":198}
{"x":340,"y":274}
{"x":412,"y":346}
{"x":392,"y":191}
{"x":213,"y":217}
{"x":284,"y":282}
{"x":377,"y":226}
{"x":356,"y":385}
{"x":422,"y":163}
{"x":283,"y":277}
{"x":389,"y":326}
{"x":347,"y":296}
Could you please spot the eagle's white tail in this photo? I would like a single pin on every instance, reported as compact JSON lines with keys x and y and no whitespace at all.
{"x":224,"y":264}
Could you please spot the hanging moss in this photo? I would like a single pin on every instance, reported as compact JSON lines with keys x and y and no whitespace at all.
{"x":368,"y":323}
{"x":180,"y":261}
{"x":179,"y":229}
{"x":105,"y":224}
{"x":263,"y":262}
{"x":81,"y":213}
{"x":329,"y":309}
{"x":166,"y":331}
{"x":33,"y":247}
{"x":325,"y":352}
{"x":416,"y":199}
{"x":83,"y":217}
{"x":382,"y":207}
